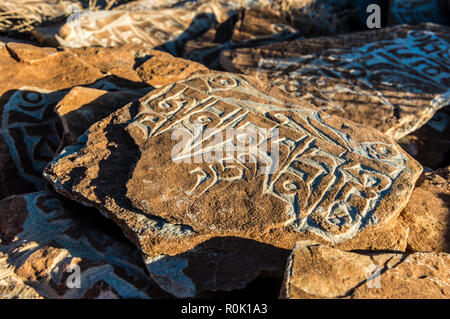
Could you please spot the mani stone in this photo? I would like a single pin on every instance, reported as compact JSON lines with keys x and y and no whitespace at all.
{"x":45,"y":241}
{"x":167,"y":29}
{"x":318,"y":271}
{"x":430,"y":144}
{"x":419,"y":11}
{"x":427,"y":213}
{"x":393,"y":79}
{"x":332,"y":180}
{"x":34,"y":81}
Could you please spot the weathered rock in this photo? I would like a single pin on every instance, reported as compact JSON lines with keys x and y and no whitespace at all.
{"x":336,"y":181}
{"x":36,"y":79}
{"x":248,"y":28}
{"x":22,"y":15}
{"x":393,"y":79}
{"x":419,"y":11}
{"x":428,"y":213}
{"x":162,"y":69}
{"x":319,"y":271}
{"x":430,"y":144}
{"x":167,"y":29}
{"x":12,"y":286}
{"x":82,"y":107}
{"x":45,"y":241}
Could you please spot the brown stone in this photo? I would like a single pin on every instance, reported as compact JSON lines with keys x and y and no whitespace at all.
{"x":430,"y":144}
{"x":393,"y":79}
{"x":248,"y":28}
{"x":162,"y":69}
{"x":337,"y":181}
{"x":318,"y":271}
{"x":36,"y":79}
{"x":42,"y":240}
{"x":428,"y":213}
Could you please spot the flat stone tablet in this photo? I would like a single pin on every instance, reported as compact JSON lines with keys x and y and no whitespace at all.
{"x":46,"y":241}
{"x":332,"y":179}
{"x":393,"y":79}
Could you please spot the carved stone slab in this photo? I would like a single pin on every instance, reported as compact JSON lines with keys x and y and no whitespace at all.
{"x":318,"y":271}
{"x":45,"y":242}
{"x":168,"y":29}
{"x":393,"y":79}
{"x":335,"y":179}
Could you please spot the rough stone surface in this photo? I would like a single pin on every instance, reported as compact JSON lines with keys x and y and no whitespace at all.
{"x":22,"y":15}
{"x":393,"y":79}
{"x":43,"y":239}
{"x":36,"y":79}
{"x":337,"y":181}
{"x":419,"y":11}
{"x":247,"y":28}
{"x":162,"y":69}
{"x":430,"y":144}
{"x":82,"y":107}
{"x":167,"y":28}
{"x":318,"y":271}
{"x":428,"y":213}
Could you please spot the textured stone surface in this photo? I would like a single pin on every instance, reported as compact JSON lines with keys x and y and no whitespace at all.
{"x":43,"y":239}
{"x":218,"y":264}
{"x":247,"y":28}
{"x":319,"y":271}
{"x":430,"y":144}
{"x":162,"y":69}
{"x":419,"y":11}
{"x":337,"y":181}
{"x":168,"y":28}
{"x":428,"y":213}
{"x":82,"y":107}
{"x":393,"y":79}
{"x":36,"y":79}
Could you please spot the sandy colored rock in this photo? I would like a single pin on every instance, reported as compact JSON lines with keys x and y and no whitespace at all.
{"x":162,"y":69}
{"x":430,"y":144}
{"x":12,"y":286}
{"x":82,"y":107}
{"x":419,"y":11}
{"x":393,"y":79}
{"x":43,"y":239}
{"x":428,"y":213}
{"x":36,"y":79}
{"x":167,"y":28}
{"x":318,"y":271}
{"x":335,"y":181}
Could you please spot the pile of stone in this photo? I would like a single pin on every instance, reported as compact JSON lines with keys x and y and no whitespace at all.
{"x":346,"y":196}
